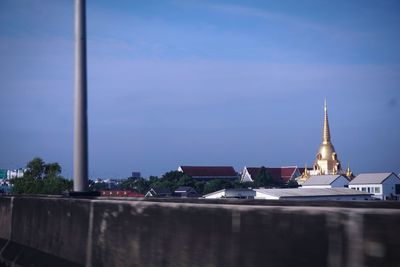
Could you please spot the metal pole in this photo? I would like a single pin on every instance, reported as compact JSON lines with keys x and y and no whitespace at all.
{"x":80,"y":123}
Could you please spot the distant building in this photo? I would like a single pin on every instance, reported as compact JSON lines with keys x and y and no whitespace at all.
{"x":385,"y":186}
{"x":111,"y":183}
{"x":3,"y":174}
{"x":18,"y":173}
{"x":185,"y":191}
{"x":5,"y":186}
{"x":136,"y":175}
{"x":240,"y":193}
{"x":158,"y":192}
{"x":206,"y":173}
{"x":282,"y":174}
{"x":326,"y":181}
{"x":291,"y":194}
{"x":312,"y":194}
{"x":119,"y":193}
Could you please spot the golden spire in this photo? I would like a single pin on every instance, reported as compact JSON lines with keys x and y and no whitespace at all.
{"x":349,"y":173}
{"x":306,"y":174}
{"x":327,"y":161}
{"x":326,"y":133}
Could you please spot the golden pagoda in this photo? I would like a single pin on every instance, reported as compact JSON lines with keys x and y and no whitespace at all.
{"x":326,"y":161}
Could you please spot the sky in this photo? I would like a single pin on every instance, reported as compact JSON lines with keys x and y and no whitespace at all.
{"x":186,"y":82}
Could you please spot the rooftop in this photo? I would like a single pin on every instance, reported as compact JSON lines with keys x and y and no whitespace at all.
{"x":321,"y":179}
{"x":311,"y":192}
{"x":371,"y":178}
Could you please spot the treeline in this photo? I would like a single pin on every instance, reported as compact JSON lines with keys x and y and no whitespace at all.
{"x":45,"y":178}
{"x":174,"y":179}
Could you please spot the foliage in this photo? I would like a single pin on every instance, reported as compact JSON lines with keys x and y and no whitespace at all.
{"x":49,"y":186}
{"x":263,"y":178}
{"x":38,"y":169}
{"x":52,"y":170}
{"x":215,"y":185}
{"x":292,"y":184}
{"x":172,"y":180}
{"x":97,"y":186}
{"x":35,"y":168}
{"x":41,"y":178}
{"x":139,"y":185}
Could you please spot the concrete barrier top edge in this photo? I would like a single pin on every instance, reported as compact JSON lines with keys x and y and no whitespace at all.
{"x":361,"y":207}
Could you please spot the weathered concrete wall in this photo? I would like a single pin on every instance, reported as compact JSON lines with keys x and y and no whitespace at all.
{"x":42,"y":231}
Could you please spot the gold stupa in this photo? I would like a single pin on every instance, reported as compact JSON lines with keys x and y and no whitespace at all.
{"x":326,"y":161}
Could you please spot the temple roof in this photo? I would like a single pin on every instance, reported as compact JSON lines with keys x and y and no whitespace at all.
{"x":321,"y":179}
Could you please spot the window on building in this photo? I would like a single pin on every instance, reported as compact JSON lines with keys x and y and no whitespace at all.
{"x":363,"y":189}
{"x":377,"y":190}
{"x":368,"y":190}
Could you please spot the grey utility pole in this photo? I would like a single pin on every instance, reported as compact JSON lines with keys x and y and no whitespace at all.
{"x":80,"y":122}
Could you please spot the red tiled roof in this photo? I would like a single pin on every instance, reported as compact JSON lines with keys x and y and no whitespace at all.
{"x":209,"y":171}
{"x":278,"y":174}
{"x":119,"y":193}
{"x":253,"y":171}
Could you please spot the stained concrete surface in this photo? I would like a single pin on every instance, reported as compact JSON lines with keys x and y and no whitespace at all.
{"x":48,"y":231}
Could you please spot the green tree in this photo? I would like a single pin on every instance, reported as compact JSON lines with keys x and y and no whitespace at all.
{"x":217,"y":184}
{"x":199,"y":187}
{"x":139,"y":185}
{"x":153,"y":179}
{"x":52,"y":170}
{"x":185,"y":180}
{"x":35,"y":168}
{"x":172,"y":176}
{"x":163,"y":183}
{"x":56,"y":185}
{"x":41,"y":178}
{"x":292,"y":184}
{"x":263,"y":178}
{"x":98,"y":186}
{"x":172,"y":180}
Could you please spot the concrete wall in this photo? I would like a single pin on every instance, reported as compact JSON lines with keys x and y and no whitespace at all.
{"x":44,"y":231}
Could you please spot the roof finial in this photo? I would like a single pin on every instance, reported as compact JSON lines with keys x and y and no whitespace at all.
{"x":306,"y":174}
{"x":349,"y":173}
{"x":326,"y":132}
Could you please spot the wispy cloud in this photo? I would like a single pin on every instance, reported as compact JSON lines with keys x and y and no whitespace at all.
{"x":289,"y":20}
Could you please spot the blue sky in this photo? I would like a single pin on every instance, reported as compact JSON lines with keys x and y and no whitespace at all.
{"x":174,"y":83}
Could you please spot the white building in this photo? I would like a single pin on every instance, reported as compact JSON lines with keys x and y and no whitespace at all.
{"x":326,"y":181}
{"x":291,"y":194}
{"x":18,"y":173}
{"x":232,"y":193}
{"x":384,"y":186}
{"x":312,"y":194}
